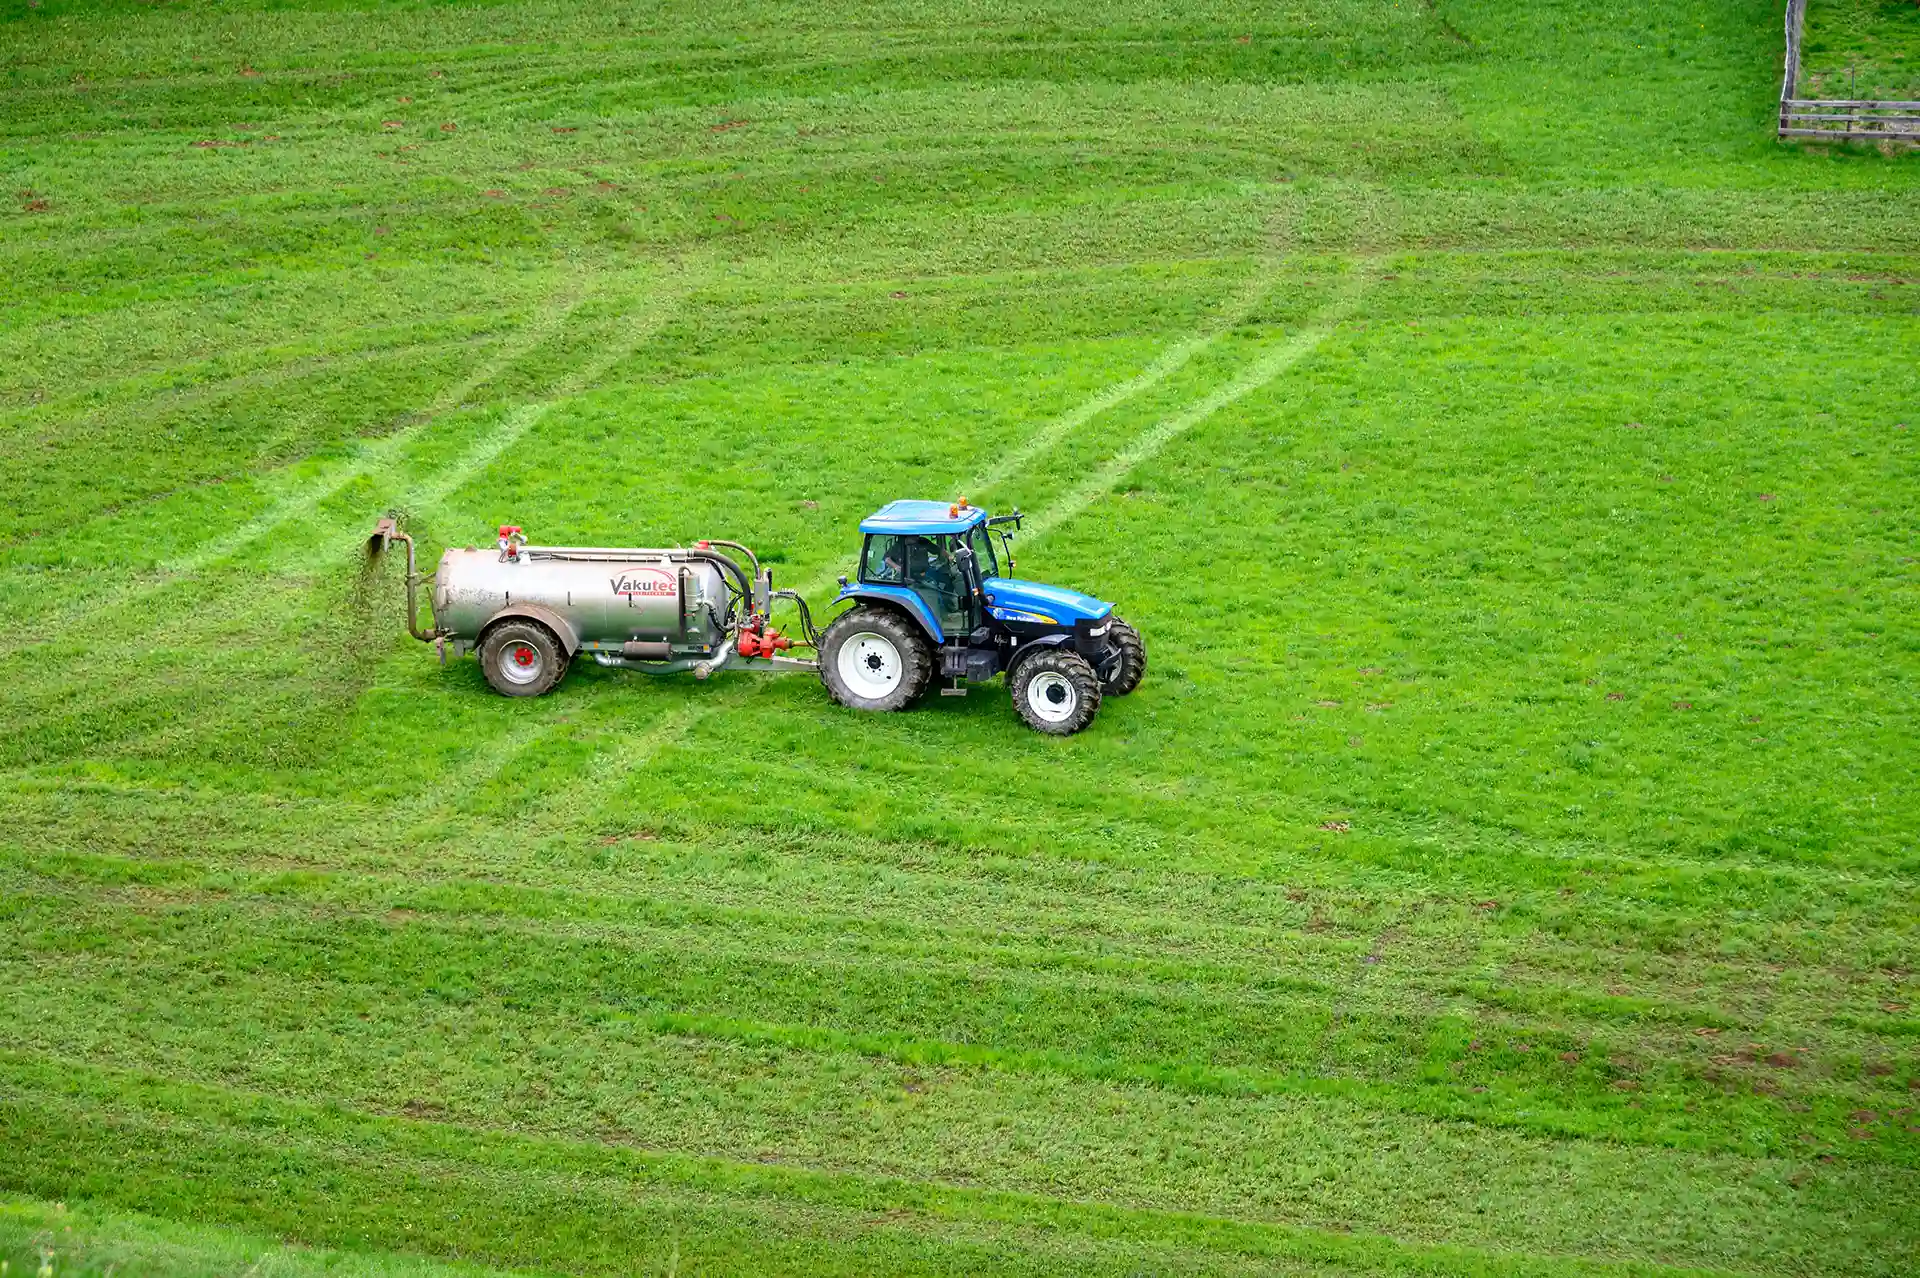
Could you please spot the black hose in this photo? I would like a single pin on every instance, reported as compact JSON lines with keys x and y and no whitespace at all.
{"x":751,"y":557}
{"x":714,"y":556}
{"x":806,"y":616}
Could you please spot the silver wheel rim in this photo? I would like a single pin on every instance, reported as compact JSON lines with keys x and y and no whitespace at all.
{"x":521,"y":663}
{"x":1052,"y":697}
{"x":870,"y":665}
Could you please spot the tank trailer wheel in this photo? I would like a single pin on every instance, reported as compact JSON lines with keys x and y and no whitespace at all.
{"x":521,"y":658}
{"x":1055,"y":691}
{"x":875,"y":659}
{"x":1133,"y":659}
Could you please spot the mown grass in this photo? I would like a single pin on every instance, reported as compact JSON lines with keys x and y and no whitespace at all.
{"x":82,"y":1241}
{"x":1504,"y":444}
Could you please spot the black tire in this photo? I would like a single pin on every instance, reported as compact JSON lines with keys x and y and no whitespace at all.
{"x":888,"y":661}
{"x":1055,"y":691}
{"x":522,"y":658}
{"x":1133,"y":659}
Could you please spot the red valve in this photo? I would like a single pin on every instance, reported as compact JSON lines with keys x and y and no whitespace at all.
{"x":703,"y":545}
{"x":509,"y":530}
{"x":755,"y":644}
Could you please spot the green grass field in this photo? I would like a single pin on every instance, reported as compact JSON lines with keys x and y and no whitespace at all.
{"x":1506,"y":447}
{"x":1861,"y":48}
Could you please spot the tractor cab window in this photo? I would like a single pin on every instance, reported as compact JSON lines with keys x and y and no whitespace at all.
{"x":981,"y":542}
{"x":926,"y":566}
{"x":912,"y":560}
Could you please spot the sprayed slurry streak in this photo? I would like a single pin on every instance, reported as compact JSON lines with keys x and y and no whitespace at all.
{"x":443,"y":482}
{"x":215,"y":389}
{"x":343,"y":542}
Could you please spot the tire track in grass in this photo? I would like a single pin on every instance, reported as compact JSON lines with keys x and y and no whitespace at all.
{"x":384,"y":452}
{"x":1257,"y":375}
{"x":381,"y":462}
{"x":562,"y":807}
{"x":668,"y":294}
{"x":1171,"y":361}
{"x":573,"y":802}
{"x":645,"y":748}
{"x":1242,"y":304}
{"x":330,"y":481}
{"x":461,"y":789}
{"x":500,"y":754}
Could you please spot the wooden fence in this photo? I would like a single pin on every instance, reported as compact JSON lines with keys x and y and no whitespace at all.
{"x":1838,"y":119}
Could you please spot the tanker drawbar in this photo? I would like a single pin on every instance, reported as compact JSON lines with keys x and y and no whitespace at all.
{"x":930,"y":603}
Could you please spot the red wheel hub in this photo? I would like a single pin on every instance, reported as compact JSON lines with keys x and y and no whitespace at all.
{"x":523,"y":655}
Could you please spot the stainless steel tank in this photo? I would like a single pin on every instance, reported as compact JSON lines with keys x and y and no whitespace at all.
{"x":652,"y":605}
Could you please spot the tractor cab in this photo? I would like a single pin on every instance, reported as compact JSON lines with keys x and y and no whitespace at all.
{"x":912,"y":552}
{"x":936,"y":600}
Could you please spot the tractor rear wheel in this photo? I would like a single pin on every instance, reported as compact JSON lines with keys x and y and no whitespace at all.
{"x":522,"y":658}
{"x":1133,"y":659}
{"x":1055,"y":691}
{"x":875,"y":659}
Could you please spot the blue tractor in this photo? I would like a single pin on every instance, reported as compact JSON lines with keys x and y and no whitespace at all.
{"x":931,"y":603}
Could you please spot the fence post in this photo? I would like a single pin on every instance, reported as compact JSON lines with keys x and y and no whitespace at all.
{"x":1790,"y":81}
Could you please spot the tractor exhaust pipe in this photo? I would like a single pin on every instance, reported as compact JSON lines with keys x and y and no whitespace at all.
{"x":385,"y":533}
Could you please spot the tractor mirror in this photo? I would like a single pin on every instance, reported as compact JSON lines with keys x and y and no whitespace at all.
{"x":964,"y":557}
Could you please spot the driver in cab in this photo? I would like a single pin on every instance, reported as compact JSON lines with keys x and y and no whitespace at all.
{"x":921,"y":561}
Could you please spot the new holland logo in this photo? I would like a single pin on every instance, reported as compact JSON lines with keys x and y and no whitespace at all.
{"x":1020,"y":614}
{"x":644,"y":583}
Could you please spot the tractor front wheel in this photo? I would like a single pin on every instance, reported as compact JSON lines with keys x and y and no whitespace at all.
{"x":875,"y":659}
{"x":1133,"y":659}
{"x":1055,"y":691}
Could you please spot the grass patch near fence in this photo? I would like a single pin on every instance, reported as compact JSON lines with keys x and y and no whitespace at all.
{"x":1861,"y":49}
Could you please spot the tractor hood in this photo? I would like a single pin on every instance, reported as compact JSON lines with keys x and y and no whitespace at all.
{"x":1011,"y":599}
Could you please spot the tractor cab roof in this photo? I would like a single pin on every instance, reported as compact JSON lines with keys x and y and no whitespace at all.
{"x":926,"y":517}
